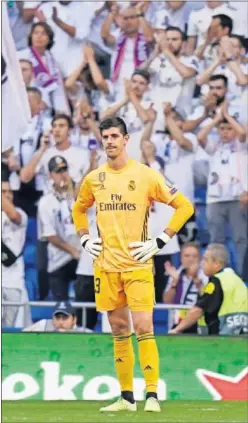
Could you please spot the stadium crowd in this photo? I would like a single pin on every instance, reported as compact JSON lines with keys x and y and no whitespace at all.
{"x":177,"y":73}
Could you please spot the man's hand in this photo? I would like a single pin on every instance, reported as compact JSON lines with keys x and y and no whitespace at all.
{"x":55,"y":14}
{"x":40,"y":16}
{"x":45,"y":141}
{"x":75,"y":254}
{"x":143,"y":251}
{"x":128,"y":88}
{"x":210,"y":102}
{"x":171,"y":270}
{"x":173,"y":332}
{"x":167,"y":109}
{"x":89,"y":53}
{"x":92,"y":246}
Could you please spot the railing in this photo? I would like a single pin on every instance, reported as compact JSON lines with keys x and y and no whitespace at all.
{"x":84,"y":306}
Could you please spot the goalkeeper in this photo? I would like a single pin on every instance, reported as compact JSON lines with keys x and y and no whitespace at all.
{"x":123,"y":191}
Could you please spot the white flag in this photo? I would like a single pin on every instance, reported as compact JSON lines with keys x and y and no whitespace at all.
{"x":15,"y":107}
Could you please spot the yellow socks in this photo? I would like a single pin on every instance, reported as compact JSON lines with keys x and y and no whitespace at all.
{"x":124,"y":361}
{"x":149,"y":360}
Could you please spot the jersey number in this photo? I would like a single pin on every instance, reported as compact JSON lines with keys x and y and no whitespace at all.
{"x":97,"y":285}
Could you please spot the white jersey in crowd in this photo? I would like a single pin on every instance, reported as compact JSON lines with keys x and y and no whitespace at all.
{"x":77,"y":159}
{"x":160,"y":215}
{"x":168,"y":86}
{"x":178,"y":161}
{"x":227,"y":171}
{"x":170,"y":17}
{"x":199,"y":21}
{"x":234,"y":89}
{"x":14,"y":236}
{"x":54,"y":218}
{"x":85,"y":265}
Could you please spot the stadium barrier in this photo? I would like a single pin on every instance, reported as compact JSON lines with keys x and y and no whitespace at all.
{"x":171,"y":308}
{"x":79,"y":366}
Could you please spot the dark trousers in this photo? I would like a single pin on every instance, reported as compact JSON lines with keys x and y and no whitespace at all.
{"x":43,"y":279}
{"x":245,"y":267}
{"x":160,"y":278}
{"x":60,"y":279}
{"x":84,"y":292}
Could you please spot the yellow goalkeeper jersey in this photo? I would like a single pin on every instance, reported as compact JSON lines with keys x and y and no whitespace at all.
{"x":123,"y":199}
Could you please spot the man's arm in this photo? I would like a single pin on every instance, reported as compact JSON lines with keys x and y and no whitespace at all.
{"x":191,"y":44}
{"x":204,"y":76}
{"x":106,"y":35}
{"x":185,"y":71}
{"x":84,"y":201}
{"x":69,"y":29}
{"x":62,"y":245}
{"x":191,"y":125}
{"x":146,"y":29}
{"x":238,"y":128}
{"x":73,"y":77}
{"x":204,"y":132}
{"x":176,"y":132}
{"x":96,"y":73}
{"x":11,"y":211}
{"x":170,"y":292}
{"x":147,"y":63}
{"x":191,"y":318}
{"x":113,"y":110}
{"x":28,"y":172}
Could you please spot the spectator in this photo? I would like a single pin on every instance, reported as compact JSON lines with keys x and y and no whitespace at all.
{"x":225,"y":181}
{"x":133,"y":108}
{"x":200,"y":20}
{"x":176,"y":14}
{"x":56,"y":226}
{"x":27,"y":194}
{"x":45,"y":68}
{"x":186,"y":282}
{"x":78,"y":159}
{"x":149,"y":156}
{"x":173,"y":73}
{"x":224,"y":301}
{"x":14,"y":226}
{"x":64,"y":320}
{"x":84,"y":285}
{"x":86,"y":134}
{"x":221,"y":26}
{"x":29,"y":81}
{"x":131,"y":46}
{"x":65,"y":19}
{"x":229,"y":63}
{"x":19,"y":25}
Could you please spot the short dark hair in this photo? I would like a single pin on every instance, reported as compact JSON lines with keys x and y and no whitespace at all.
{"x":48,"y":30}
{"x":219,"y":76}
{"x":192,"y":244}
{"x":225,"y":21}
{"x":240,"y":38}
{"x":223,"y":121}
{"x":145,"y":74}
{"x":65,"y":117}
{"x":114,"y":122}
{"x":26,"y":61}
{"x":176,"y":28}
{"x":34,"y":90}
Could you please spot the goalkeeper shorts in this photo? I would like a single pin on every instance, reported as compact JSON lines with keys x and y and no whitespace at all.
{"x":118,"y":289}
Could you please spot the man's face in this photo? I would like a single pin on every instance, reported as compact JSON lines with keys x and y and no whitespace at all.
{"x":27,"y":72}
{"x":6,"y":191}
{"x":84,"y":122}
{"x":35,"y":103}
{"x":139,"y":85}
{"x":175,"y":4}
{"x":226,"y":132}
{"x":63,"y":323}
{"x":174,"y":41}
{"x":60,"y":179}
{"x":218,"y":89}
{"x":60,"y":131}
{"x":236,"y":47}
{"x":210,"y":266}
{"x":114,"y":142}
{"x":129,"y":22}
{"x":217,"y":30}
{"x":213,"y":4}
{"x":189,"y":256}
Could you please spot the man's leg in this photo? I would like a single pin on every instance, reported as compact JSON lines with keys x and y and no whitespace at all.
{"x":123,"y":350}
{"x":238,"y":223}
{"x":59,"y":285}
{"x":84,"y":292}
{"x":217,"y":222}
{"x":148,"y":352}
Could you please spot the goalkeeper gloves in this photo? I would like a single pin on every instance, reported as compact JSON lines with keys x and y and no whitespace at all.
{"x":143,"y":251}
{"x":92,"y":246}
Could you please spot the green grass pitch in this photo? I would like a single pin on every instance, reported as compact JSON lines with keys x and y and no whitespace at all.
{"x":88,"y":412}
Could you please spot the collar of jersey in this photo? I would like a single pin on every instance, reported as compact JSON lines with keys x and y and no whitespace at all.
{"x":129,"y":163}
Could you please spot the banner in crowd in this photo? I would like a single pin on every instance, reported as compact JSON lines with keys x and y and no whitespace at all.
{"x":80,"y":367}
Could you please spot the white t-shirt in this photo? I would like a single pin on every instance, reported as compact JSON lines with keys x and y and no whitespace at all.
{"x":55,"y":218}
{"x":168,"y":86}
{"x":14,"y":236}
{"x":135,"y":127}
{"x":199,"y":21}
{"x":160,"y":215}
{"x":68,"y":50}
{"x":85,"y":265}
{"x":234,"y":89}
{"x":77,"y":159}
{"x":169,"y":17}
{"x":178,"y":162}
{"x":227,"y":171}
